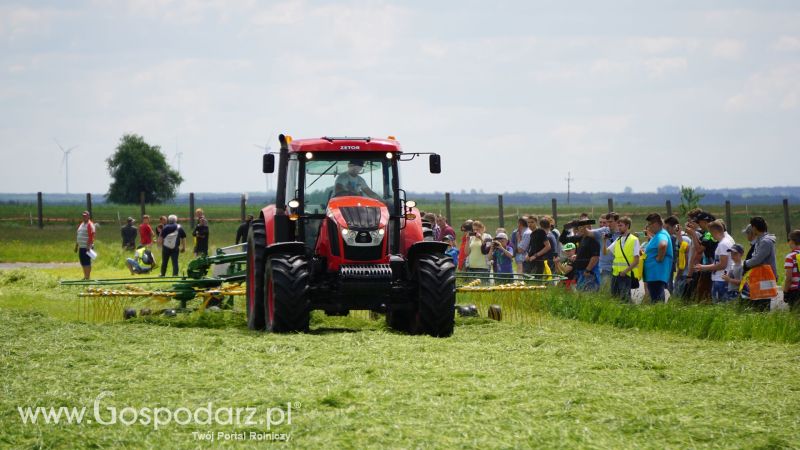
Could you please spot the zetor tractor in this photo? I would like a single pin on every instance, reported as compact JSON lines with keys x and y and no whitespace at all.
{"x":341,"y":236}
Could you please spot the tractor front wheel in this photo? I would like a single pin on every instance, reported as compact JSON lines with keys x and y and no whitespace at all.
{"x":286,"y":293}
{"x":436,"y":279}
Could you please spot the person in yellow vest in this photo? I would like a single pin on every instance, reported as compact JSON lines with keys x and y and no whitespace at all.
{"x":626,"y":259}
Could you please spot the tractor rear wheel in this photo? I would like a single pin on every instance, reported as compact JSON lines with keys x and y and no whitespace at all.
{"x":436,"y":280}
{"x":256,"y":242}
{"x":286,"y":294}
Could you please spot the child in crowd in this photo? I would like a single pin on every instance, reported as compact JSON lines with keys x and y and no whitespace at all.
{"x":502,"y":254}
{"x":733,"y":276}
{"x":452,"y":250}
{"x":791,"y":282}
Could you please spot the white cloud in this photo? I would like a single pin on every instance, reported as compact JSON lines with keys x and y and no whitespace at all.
{"x":661,"y":67}
{"x":728,"y":49}
{"x":774,"y":89}
{"x":787,"y":44}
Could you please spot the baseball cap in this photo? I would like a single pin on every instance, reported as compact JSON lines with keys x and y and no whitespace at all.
{"x":356,"y":162}
{"x":737,"y":248}
{"x":748,"y":229}
{"x":130,"y":220}
{"x":85,"y":213}
{"x":569,"y":246}
{"x":706,"y":217}
{"x":449,"y":237}
{"x":501,"y":236}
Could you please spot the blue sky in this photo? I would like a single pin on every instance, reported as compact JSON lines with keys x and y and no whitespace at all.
{"x":512,"y":94}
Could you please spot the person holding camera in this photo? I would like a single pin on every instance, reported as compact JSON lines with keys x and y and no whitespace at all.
{"x":502,"y":254}
{"x":586,"y":260}
{"x":466,"y":230}
{"x":478,"y":248}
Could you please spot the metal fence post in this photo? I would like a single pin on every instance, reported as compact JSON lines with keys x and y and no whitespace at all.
{"x":610,"y":204}
{"x":141,"y":202}
{"x":243,"y":206}
{"x":555,"y":211}
{"x":669,"y":208}
{"x":89,"y":204}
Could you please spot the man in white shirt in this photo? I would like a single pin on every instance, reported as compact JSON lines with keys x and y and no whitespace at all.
{"x":722,"y":262}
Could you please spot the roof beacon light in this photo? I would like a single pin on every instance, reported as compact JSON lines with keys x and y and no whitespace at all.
{"x":392,"y":138}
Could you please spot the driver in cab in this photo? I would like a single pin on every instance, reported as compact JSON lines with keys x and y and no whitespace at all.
{"x":351,"y":183}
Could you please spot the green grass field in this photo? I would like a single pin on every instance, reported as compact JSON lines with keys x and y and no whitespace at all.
{"x":560,"y":370}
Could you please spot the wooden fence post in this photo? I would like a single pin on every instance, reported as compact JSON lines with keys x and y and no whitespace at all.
{"x":243,"y":206}
{"x":555,"y":212}
{"x":669,"y":208}
{"x":191,"y":210}
{"x":89,"y":204}
{"x":786,"y":220}
{"x":610,"y":204}
{"x":39,"y":209}
{"x":728,"y":219}
{"x":502,"y":221}
{"x":447,"y":208}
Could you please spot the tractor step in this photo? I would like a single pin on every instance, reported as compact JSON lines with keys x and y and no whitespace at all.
{"x":349,"y":272}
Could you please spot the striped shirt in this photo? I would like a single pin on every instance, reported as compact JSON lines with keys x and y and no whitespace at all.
{"x":85,"y":232}
{"x":791,"y":263}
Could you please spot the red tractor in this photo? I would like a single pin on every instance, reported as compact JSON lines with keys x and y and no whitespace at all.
{"x":341,"y":236}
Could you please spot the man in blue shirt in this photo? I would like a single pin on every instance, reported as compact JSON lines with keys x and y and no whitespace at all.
{"x":658,"y":262}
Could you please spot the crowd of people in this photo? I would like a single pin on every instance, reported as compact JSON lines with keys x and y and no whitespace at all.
{"x":698,"y":261}
{"x":168,"y":236}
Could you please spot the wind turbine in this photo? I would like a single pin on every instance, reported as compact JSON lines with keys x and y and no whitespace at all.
{"x":65,"y":161}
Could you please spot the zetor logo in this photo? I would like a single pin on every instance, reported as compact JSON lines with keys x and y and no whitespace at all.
{"x":350,"y":147}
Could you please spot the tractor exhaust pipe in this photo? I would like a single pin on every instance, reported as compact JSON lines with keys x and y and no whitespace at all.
{"x":283,"y":164}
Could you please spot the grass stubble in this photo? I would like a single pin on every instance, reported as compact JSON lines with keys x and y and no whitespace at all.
{"x":541,"y":381}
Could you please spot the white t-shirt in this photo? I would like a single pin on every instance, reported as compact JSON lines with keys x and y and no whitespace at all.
{"x":722,"y":250}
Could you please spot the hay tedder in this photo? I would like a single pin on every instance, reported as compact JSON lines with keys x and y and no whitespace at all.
{"x":341,"y":236}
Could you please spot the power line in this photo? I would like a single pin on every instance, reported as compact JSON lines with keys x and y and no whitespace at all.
{"x":569,"y":180}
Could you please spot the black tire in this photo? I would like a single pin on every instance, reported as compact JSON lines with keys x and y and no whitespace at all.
{"x":286,"y":281}
{"x":403,"y":320}
{"x":256,"y":242}
{"x":436,"y":280}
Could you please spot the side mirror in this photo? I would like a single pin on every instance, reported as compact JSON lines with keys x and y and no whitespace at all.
{"x":435,"y":163}
{"x":268,"y":164}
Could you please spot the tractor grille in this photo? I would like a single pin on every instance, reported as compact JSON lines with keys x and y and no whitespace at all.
{"x":367,"y":253}
{"x":366,"y":272}
{"x":361,"y":217}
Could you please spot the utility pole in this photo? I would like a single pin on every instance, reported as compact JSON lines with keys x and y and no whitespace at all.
{"x":569,"y":180}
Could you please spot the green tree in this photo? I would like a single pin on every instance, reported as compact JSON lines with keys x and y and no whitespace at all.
{"x":137,"y":167}
{"x":690,"y":199}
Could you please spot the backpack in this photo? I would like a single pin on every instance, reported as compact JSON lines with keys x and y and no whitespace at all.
{"x":171,"y":240}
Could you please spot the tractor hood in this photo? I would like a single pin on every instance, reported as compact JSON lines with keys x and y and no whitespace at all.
{"x":358,"y":213}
